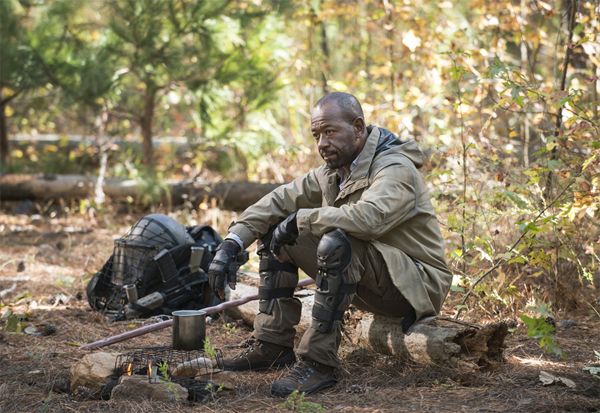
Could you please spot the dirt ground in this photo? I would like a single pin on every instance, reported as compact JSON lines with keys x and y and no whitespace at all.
{"x":45,"y":263}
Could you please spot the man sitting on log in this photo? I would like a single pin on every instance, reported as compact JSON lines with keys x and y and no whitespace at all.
{"x":362,"y":226}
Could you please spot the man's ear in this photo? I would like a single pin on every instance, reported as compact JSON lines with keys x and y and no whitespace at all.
{"x":359,"y":127}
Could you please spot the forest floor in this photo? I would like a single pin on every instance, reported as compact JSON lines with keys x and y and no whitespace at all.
{"x":57,"y":256}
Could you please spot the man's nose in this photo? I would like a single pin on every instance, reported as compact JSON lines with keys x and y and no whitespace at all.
{"x":323,"y":142}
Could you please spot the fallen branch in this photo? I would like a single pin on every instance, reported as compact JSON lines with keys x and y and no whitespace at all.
{"x":8,"y":290}
{"x":164,"y":324}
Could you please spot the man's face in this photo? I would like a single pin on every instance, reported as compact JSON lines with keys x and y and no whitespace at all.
{"x":339,"y":141}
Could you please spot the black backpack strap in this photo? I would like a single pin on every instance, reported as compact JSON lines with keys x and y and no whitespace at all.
{"x":166,"y":264}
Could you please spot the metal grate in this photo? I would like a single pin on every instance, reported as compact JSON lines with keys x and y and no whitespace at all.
{"x":178,"y":366}
{"x":137,"y":361}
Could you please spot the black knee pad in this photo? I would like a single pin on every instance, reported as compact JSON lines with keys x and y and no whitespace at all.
{"x":334,"y":254}
{"x":334,"y":251}
{"x":277,"y":279}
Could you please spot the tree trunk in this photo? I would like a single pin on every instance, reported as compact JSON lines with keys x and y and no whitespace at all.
{"x":229,"y":195}
{"x":325,"y":50}
{"x":3,"y":138}
{"x":319,"y":26}
{"x":101,"y":121}
{"x":389,"y":30}
{"x":525,"y":69}
{"x":146,"y":125}
{"x":549,"y":189}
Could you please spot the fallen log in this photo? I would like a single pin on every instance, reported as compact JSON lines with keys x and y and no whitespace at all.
{"x":228,"y":195}
{"x":433,"y":341}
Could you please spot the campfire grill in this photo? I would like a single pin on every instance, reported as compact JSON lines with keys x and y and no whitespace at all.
{"x":177,"y":366}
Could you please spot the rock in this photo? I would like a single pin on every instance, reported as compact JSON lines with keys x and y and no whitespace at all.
{"x":193,"y":367}
{"x":547,"y":379}
{"x":222,"y":379}
{"x":566,"y":324}
{"x":138,"y":388}
{"x":93,"y":370}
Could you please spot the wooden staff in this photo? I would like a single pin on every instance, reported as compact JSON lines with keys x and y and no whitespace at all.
{"x":164,"y":324}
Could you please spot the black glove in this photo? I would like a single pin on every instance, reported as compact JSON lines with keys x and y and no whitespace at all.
{"x":284,"y":234}
{"x":223,"y":268}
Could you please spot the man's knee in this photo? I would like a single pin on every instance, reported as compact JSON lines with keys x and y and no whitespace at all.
{"x":334,"y":251}
{"x":334,"y":293}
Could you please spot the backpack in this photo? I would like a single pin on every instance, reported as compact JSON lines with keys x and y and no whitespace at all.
{"x":158,"y":267}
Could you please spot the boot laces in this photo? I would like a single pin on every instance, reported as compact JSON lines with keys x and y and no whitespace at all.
{"x":301,"y":371}
{"x":249,"y":346}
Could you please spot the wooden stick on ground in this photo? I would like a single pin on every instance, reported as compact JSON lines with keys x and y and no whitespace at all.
{"x":164,"y":324}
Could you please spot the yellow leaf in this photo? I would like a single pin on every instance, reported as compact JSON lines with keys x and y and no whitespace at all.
{"x":9,"y":111}
{"x":51,"y":148}
{"x":6,"y":91}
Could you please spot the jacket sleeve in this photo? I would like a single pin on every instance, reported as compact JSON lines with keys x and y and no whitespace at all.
{"x":255,"y":221}
{"x":389,"y":201}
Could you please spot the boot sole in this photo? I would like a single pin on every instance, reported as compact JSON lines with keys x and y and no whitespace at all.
{"x":276,"y":365}
{"x":310,"y":390}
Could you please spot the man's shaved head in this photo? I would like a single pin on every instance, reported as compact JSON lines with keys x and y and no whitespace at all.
{"x":349,"y":106}
{"x":337,"y":123}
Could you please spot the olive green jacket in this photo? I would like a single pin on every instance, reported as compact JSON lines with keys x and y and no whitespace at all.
{"x":384,"y":201}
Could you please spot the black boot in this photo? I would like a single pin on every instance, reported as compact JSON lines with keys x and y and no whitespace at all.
{"x":306,"y":376}
{"x":261,"y":355}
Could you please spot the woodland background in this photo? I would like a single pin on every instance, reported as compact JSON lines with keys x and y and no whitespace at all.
{"x":502,"y":95}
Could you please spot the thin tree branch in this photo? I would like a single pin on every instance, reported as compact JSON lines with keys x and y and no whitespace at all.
{"x":563,"y":85}
{"x":514,"y":245}
{"x":6,"y":100}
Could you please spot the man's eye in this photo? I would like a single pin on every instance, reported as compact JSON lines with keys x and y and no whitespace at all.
{"x":329,"y":132}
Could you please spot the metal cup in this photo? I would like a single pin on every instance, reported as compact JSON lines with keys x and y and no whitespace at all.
{"x":189,"y":329}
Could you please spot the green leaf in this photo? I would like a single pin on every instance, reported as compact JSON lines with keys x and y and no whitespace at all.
{"x":497,"y":67}
{"x":517,"y":260}
{"x":543,"y":331}
{"x":515,"y":92}
{"x":553,"y":164}
{"x":516,"y":199}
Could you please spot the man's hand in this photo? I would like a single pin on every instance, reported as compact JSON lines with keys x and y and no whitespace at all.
{"x":284,"y":234}
{"x":223,"y":267}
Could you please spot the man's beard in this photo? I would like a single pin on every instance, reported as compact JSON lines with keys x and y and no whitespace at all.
{"x":334,"y":161}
